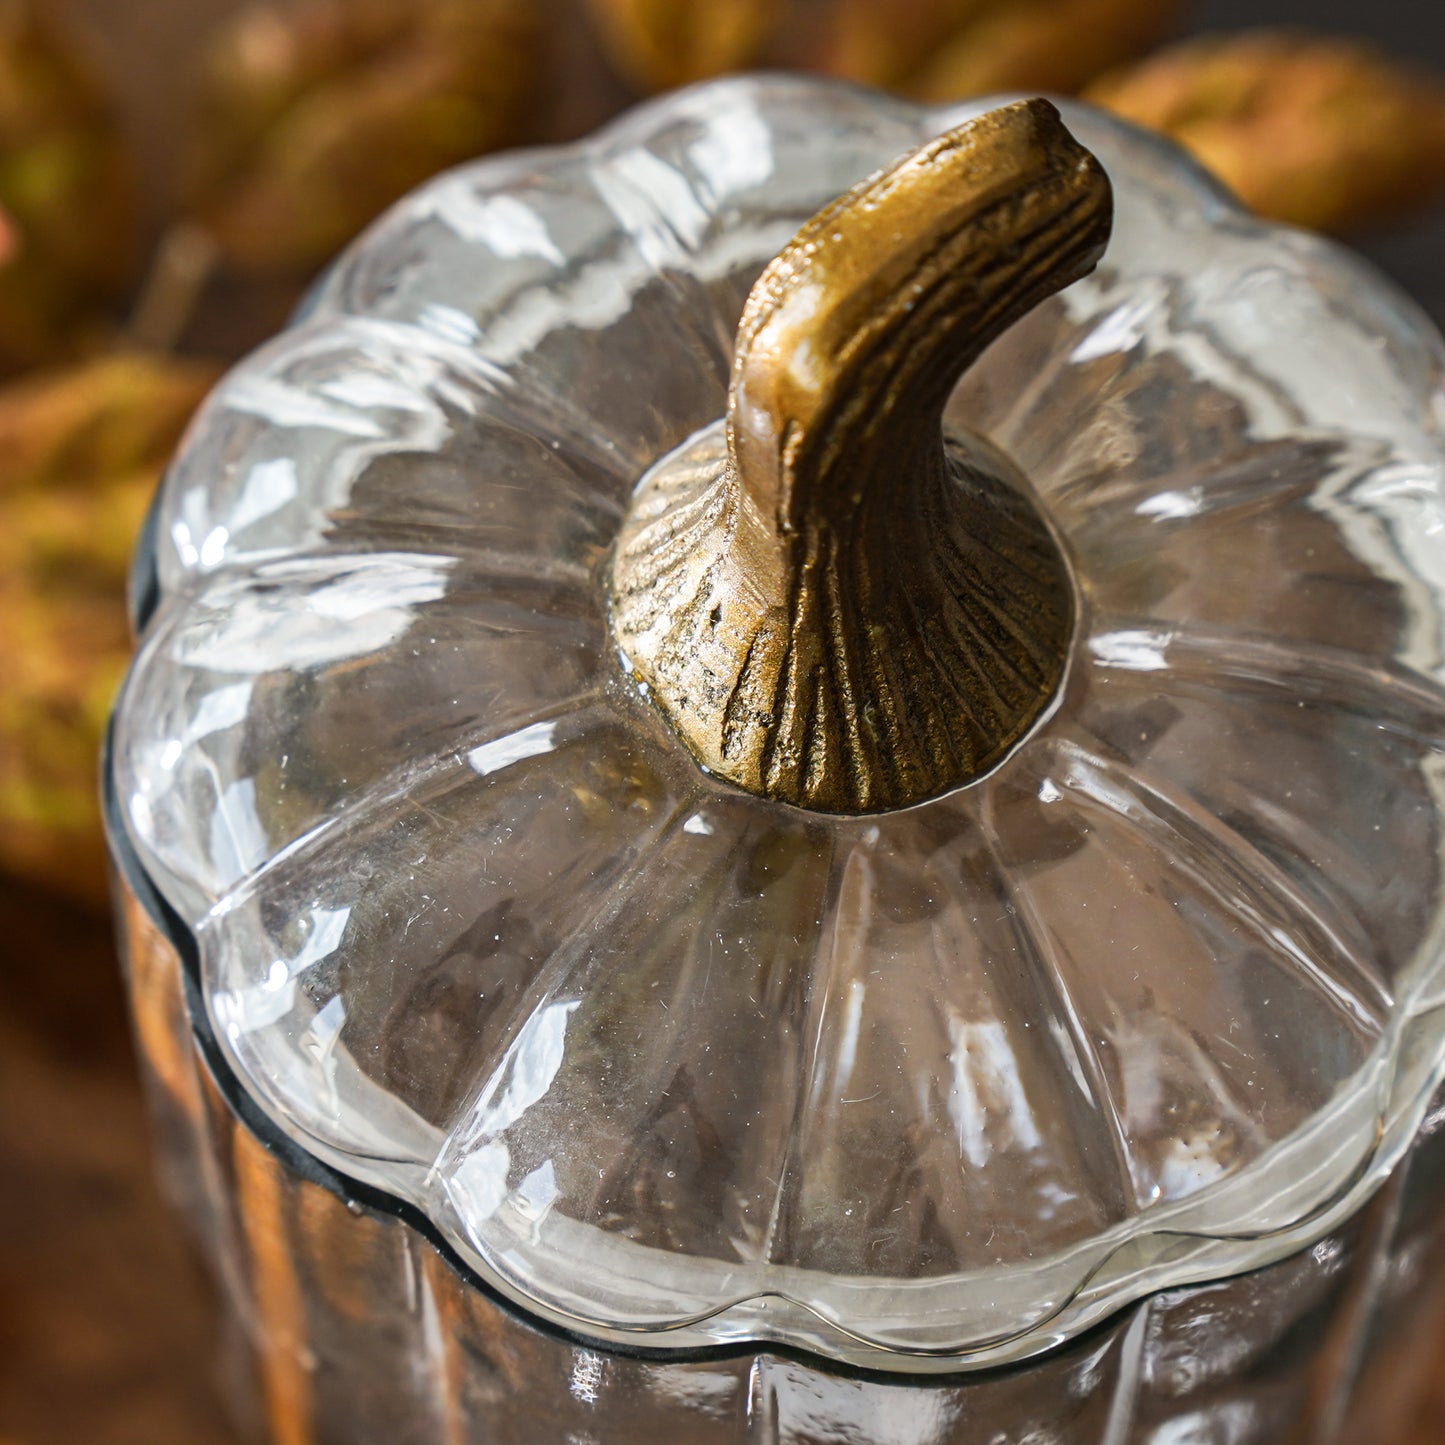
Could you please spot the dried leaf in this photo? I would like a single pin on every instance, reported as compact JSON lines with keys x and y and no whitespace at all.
{"x":658,"y":44}
{"x":1048,"y":45}
{"x":80,"y":452}
{"x":1311,"y":130}
{"x":67,"y":244}
{"x":315,"y":117}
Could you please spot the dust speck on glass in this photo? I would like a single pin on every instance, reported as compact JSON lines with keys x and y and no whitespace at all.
{"x":1157,"y":1000}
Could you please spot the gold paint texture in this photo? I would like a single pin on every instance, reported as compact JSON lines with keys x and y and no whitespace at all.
{"x":831,"y":602}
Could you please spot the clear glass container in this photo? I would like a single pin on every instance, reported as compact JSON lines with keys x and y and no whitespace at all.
{"x":1112,"y":1062}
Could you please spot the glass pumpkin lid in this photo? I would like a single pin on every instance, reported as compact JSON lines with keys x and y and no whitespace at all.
{"x":1137,"y":986}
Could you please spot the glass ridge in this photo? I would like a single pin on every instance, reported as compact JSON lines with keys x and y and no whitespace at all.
{"x":1154,"y":1002}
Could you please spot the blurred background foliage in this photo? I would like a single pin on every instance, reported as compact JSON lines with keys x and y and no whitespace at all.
{"x":174,"y":172}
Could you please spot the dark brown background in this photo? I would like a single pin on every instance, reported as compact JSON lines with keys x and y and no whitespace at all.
{"x":107,"y":1333}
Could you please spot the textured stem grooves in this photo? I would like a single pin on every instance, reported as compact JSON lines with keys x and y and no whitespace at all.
{"x":830,"y":602}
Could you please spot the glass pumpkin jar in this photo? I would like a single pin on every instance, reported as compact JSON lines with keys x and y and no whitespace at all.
{"x":725,"y":881}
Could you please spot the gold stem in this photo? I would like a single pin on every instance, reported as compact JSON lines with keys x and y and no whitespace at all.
{"x":833,"y":603}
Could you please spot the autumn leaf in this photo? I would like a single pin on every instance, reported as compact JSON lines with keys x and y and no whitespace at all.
{"x":1311,"y":130}
{"x":315,"y":117}
{"x":81,"y":450}
{"x":67,"y":203}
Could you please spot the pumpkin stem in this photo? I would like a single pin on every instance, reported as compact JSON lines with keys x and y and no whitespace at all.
{"x":831,"y":601}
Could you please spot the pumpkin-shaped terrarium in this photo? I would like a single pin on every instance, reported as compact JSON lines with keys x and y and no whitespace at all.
{"x":753,"y":833}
